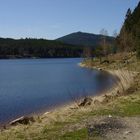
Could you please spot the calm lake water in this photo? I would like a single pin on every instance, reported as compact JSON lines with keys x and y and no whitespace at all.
{"x":29,"y":86}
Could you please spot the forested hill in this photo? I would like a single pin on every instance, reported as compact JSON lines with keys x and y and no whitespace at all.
{"x":38,"y":48}
{"x":129,"y":38}
{"x":86,"y":39}
{"x":41,"y":48}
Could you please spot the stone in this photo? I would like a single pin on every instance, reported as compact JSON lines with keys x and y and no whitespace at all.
{"x":97,"y":102}
{"x":127,"y":132}
{"x":86,"y":101}
{"x":22,"y":120}
{"x":46,"y":113}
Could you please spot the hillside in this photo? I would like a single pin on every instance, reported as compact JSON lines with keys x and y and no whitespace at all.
{"x":67,"y":46}
{"x":84,"y":39}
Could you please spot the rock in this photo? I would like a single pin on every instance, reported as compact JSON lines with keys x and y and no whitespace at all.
{"x":118,"y":92}
{"x":97,"y":102}
{"x":74,"y":108}
{"x":106,"y":99}
{"x":105,"y":61}
{"x":109,"y":116}
{"x":46,"y":113}
{"x":127,"y":132}
{"x":22,"y":120}
{"x":86,"y":101}
{"x":100,"y":69}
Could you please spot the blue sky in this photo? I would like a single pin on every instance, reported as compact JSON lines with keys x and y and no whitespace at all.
{"x":54,"y":18}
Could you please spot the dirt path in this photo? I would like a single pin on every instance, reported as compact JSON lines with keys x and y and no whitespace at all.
{"x":130,"y":129}
{"x":111,"y":128}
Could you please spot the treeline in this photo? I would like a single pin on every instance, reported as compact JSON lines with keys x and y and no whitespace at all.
{"x":104,"y":47}
{"x":38,"y":48}
{"x":129,"y":38}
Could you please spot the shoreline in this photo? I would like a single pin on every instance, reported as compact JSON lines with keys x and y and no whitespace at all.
{"x":97,"y":99}
{"x":125,"y":79}
{"x":65,"y":112}
{"x":113,"y":91}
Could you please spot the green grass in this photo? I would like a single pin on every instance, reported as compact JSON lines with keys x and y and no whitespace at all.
{"x":128,"y":105}
{"x":81,"y":134}
{"x":123,"y":106}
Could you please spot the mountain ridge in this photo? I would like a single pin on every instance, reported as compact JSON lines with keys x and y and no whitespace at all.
{"x":85,"y":39}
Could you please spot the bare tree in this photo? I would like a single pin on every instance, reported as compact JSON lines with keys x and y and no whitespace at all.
{"x":87,"y":53}
{"x":104,"y":43}
{"x":114,"y":47}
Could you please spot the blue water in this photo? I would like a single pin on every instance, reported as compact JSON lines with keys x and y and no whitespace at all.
{"x":28,"y":86}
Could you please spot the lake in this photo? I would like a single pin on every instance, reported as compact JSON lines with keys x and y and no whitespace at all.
{"x":29,"y":86}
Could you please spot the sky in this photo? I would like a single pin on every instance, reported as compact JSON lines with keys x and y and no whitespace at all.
{"x":51,"y":19}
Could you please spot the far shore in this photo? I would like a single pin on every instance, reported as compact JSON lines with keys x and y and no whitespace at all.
{"x":32,"y":57}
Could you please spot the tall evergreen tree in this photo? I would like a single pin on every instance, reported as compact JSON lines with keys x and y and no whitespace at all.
{"x":129,"y":38}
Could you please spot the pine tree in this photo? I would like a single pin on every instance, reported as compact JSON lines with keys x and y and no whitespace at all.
{"x":129,"y":38}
